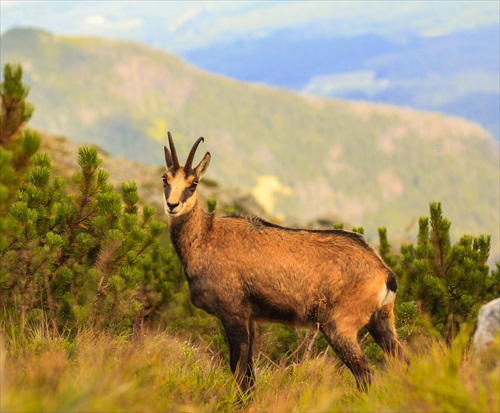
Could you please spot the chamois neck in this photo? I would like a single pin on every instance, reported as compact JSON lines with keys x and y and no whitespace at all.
{"x":187,"y":229}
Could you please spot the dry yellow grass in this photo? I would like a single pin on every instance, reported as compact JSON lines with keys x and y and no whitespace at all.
{"x":94,"y":372}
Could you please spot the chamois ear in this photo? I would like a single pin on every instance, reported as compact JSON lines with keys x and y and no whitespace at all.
{"x":202,"y":166}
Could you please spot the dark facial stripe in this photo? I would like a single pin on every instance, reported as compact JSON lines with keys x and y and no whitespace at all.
{"x":166,"y":187}
{"x":187,"y":193}
{"x":166,"y":191}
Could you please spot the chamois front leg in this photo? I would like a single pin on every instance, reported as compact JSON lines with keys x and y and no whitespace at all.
{"x":240,"y":337}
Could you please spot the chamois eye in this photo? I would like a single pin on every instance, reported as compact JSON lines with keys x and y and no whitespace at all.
{"x":164,"y":179}
{"x":194,"y":185}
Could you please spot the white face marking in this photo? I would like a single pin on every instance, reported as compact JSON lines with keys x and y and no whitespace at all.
{"x":180,"y":200}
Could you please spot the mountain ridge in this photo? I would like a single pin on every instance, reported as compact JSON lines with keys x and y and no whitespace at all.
{"x":372,"y":165}
{"x":454,"y":73}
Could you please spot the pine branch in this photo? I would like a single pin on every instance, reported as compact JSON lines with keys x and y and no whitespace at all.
{"x":50,"y":303}
{"x":104,"y":263}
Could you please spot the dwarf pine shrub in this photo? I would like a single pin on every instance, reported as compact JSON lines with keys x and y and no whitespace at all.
{"x":445,"y":282}
{"x":84,"y":258}
{"x":87,"y":255}
{"x":17,"y":144}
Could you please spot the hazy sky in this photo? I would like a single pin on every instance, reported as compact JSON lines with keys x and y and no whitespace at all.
{"x":178,"y":25}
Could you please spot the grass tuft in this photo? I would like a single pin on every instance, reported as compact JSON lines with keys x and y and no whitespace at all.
{"x":94,"y":372}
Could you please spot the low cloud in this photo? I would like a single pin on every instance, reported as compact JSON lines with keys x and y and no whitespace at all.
{"x":101,"y":21}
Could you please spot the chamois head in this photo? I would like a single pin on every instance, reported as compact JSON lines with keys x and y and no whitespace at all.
{"x":179,"y":182}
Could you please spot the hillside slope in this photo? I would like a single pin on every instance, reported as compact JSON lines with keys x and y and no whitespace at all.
{"x":303,"y":157}
{"x":455,"y":73}
{"x":64,"y":156}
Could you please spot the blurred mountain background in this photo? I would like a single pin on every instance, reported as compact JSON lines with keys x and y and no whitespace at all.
{"x":266,"y":83}
{"x":431,"y":55}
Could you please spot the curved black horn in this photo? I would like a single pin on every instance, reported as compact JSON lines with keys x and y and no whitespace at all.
{"x":168,"y":157}
{"x":189,"y":162}
{"x":175,"y":159}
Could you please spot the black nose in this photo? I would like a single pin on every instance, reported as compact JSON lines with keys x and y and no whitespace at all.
{"x":172,"y":206}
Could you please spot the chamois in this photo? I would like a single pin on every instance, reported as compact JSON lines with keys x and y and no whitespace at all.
{"x":244,"y":269}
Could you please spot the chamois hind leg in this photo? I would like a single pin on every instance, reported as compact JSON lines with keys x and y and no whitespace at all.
{"x":240,"y":337}
{"x":345,"y":345}
{"x":250,"y":370}
{"x":381,"y":327}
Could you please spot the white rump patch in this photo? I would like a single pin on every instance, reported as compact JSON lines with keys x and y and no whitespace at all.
{"x":386,"y":296}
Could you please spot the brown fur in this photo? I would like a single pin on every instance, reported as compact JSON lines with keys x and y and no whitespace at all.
{"x":245,"y":269}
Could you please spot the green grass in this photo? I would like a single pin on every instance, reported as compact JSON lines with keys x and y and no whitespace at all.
{"x":94,"y":372}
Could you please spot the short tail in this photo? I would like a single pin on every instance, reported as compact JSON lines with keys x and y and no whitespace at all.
{"x":388,"y":293}
{"x":391,"y":282}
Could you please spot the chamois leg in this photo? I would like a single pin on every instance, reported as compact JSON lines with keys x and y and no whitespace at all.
{"x":348,"y":350}
{"x":250,"y":370}
{"x":381,"y":327}
{"x":240,"y":340}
